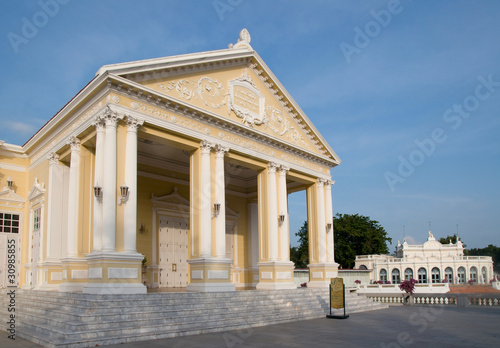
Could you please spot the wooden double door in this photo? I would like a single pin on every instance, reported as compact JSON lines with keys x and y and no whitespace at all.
{"x":173,"y":240}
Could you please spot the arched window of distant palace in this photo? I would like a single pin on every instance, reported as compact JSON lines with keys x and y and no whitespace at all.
{"x":461,"y":275}
{"x":448,"y":273}
{"x":408,"y":274}
{"x":436,"y":275}
{"x":484,"y":272}
{"x":383,"y":275}
{"x":422,"y":276}
{"x":396,"y":278}
{"x":473,"y":273}
{"x":362,"y":267}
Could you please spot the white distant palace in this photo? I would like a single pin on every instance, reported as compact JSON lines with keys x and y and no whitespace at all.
{"x":431,"y":262}
{"x":187,"y":160}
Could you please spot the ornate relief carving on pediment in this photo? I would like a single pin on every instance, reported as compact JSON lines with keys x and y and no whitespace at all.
{"x":206,"y":89}
{"x":247,"y":101}
{"x":10,"y":198}
{"x":242,"y":97}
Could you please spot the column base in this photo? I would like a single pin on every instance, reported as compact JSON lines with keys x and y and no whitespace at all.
{"x":114,"y":273}
{"x":75,"y":274}
{"x":276,"y":275}
{"x":321,"y":273}
{"x":210,"y":275}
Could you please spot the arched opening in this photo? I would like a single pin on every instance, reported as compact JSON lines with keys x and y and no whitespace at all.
{"x":448,"y":273}
{"x":363,"y":267}
{"x":396,"y":276}
{"x":408,"y":274}
{"x":422,"y":276}
{"x":461,"y":275}
{"x":473,"y":274}
{"x":383,"y":275}
{"x":436,"y":275}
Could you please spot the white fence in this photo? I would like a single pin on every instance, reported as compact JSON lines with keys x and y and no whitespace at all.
{"x":457,"y":300}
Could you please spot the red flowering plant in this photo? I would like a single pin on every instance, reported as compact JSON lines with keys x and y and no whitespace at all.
{"x":408,"y":286}
{"x":357,"y":281}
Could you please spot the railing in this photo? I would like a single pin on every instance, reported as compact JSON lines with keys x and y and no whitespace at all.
{"x":457,"y":300}
{"x":445,"y":258}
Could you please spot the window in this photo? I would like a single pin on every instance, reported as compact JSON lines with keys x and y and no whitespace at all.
{"x":362,"y":267}
{"x":422,"y":276}
{"x":461,"y":275}
{"x":36,"y":219}
{"x":448,"y":273}
{"x":9,"y":223}
{"x":396,"y":278}
{"x":383,"y":275}
{"x":473,"y":274}
{"x":436,"y":275}
{"x":408,"y":274}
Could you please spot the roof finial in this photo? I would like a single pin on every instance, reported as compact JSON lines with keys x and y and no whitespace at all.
{"x":243,"y":40}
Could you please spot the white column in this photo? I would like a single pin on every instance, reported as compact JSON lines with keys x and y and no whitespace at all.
{"x":220,"y":197}
{"x":98,"y":181}
{"x":329,"y":220}
{"x":272,"y":198}
{"x":109,"y":183}
{"x":283,"y":204}
{"x":321,"y":220}
{"x":205,"y":200}
{"x":51,"y":199}
{"x":73,"y":197}
{"x":130,"y":219}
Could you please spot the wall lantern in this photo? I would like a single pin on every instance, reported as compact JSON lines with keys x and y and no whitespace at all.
{"x":216,"y":210}
{"x":329,"y":226}
{"x":281,"y":218}
{"x":97,"y":192}
{"x":123,"y":194}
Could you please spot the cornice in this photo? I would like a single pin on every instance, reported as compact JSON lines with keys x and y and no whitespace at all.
{"x":60,"y":116}
{"x":179,"y":61}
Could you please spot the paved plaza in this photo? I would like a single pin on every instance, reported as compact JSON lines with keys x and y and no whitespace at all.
{"x":398,"y":326}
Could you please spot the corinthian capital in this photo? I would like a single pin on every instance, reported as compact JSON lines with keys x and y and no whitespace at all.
{"x":53,"y":158}
{"x":74,"y":143}
{"x":133,"y":124}
{"x":220,"y":150}
{"x":206,"y":146}
{"x":272,"y":167}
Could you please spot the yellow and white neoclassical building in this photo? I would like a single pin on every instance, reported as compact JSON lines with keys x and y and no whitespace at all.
{"x":182,"y":163}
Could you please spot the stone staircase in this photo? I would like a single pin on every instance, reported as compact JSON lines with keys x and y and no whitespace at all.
{"x":55,"y":319}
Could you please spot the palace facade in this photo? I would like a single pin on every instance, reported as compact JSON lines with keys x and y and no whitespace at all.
{"x":168,"y":172}
{"x":431,"y":262}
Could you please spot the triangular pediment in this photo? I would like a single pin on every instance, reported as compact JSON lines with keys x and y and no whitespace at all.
{"x":7,"y":195}
{"x":172,"y":200}
{"x":233,"y":84}
{"x":36,"y":191}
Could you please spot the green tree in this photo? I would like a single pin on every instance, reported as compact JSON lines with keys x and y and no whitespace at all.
{"x":446,"y":240}
{"x":357,"y":235}
{"x":490,"y":250}
{"x":300,"y":254}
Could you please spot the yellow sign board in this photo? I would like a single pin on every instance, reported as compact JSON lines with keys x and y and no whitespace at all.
{"x":337,"y":293}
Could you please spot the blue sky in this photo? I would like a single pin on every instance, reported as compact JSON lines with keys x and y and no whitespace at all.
{"x":407,"y":93}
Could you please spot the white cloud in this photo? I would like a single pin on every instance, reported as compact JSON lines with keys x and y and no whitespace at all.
{"x":21,"y":127}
